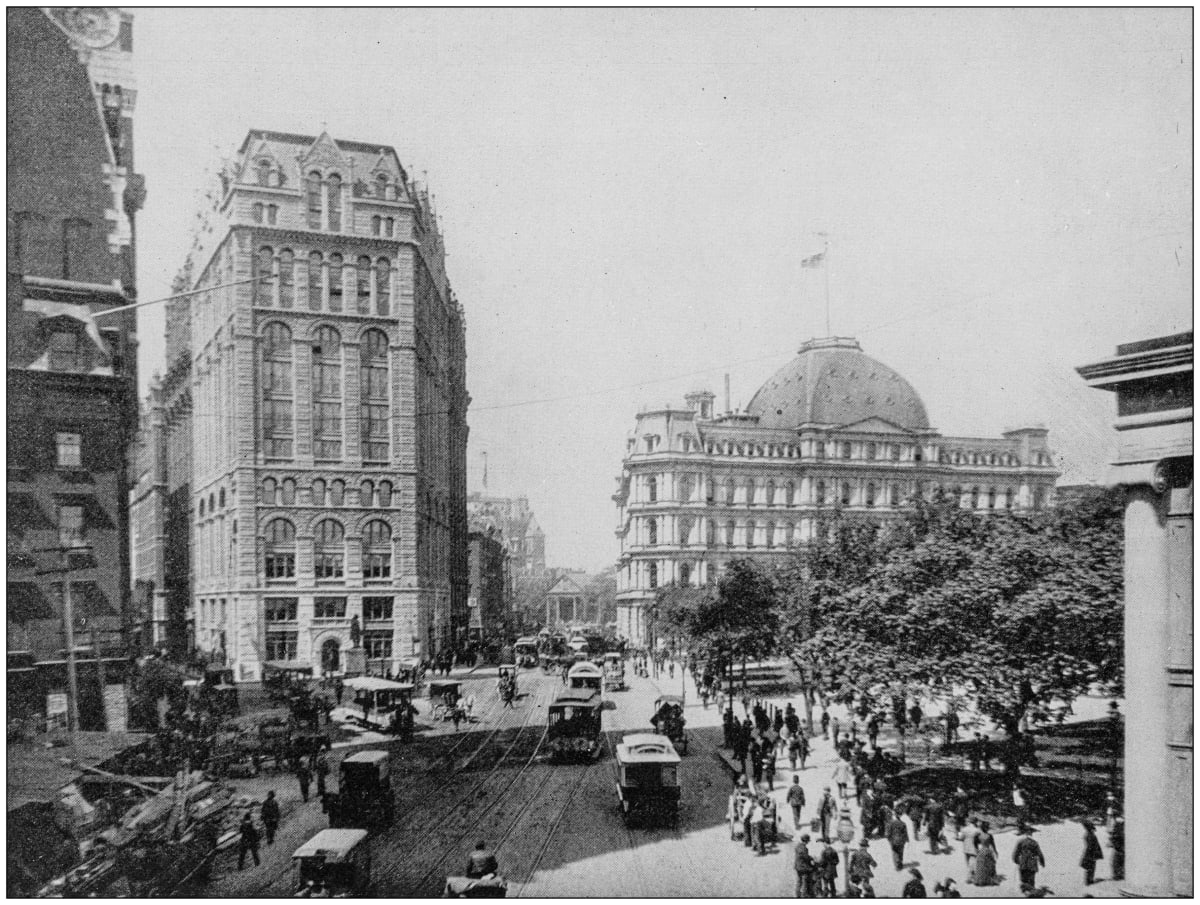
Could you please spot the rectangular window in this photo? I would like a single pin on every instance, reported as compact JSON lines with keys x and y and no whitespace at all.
{"x":69,"y":448}
{"x":281,"y":565}
{"x":280,"y":609}
{"x":374,"y":432}
{"x":329,"y":565}
{"x":327,"y":430}
{"x":377,"y":565}
{"x":327,"y":378}
{"x":70,"y":527}
{"x":329,"y":608}
{"x":378,"y":644}
{"x":281,"y":645}
{"x":377,"y":608}
{"x":64,"y":351}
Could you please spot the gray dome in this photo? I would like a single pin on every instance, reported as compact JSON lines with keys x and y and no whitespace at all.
{"x":831,"y":381}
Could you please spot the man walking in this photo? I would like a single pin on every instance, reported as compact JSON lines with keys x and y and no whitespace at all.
{"x":247,"y":841}
{"x":1028,"y":857}
{"x":304,"y":777}
{"x":835,"y":727}
{"x":795,"y":798}
{"x":826,"y":810}
{"x":935,"y":822}
{"x":805,"y":869}
{"x":829,"y":870}
{"x":862,"y":864}
{"x":825,"y":723}
{"x":1092,"y":852}
{"x":270,"y":817}
{"x":897,"y":836}
{"x":321,"y":769}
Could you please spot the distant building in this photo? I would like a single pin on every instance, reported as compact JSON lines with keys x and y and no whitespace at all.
{"x":833,"y":429}
{"x":1153,"y":382}
{"x":72,"y":369}
{"x":313,"y":418}
{"x":567,"y":607}
{"x":490,"y":598}
{"x":518,"y":526}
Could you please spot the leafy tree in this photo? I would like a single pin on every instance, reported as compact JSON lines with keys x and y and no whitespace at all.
{"x":1009,"y":610}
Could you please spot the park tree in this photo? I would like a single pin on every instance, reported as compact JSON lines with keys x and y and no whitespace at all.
{"x":1009,"y":611}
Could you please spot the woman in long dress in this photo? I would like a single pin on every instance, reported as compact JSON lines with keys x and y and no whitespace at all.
{"x":985,"y":858}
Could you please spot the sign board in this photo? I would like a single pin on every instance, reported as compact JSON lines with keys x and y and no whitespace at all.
{"x":116,"y":708}
{"x":56,"y":710}
{"x":354,"y":661}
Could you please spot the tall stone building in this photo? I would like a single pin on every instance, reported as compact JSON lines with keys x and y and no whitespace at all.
{"x":833,"y":428}
{"x":491,"y":587}
{"x":1153,"y":383}
{"x":316,"y":402}
{"x":515,"y":522}
{"x":72,"y":372}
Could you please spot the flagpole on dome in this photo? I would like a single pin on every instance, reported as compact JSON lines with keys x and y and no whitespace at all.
{"x":825,"y":261}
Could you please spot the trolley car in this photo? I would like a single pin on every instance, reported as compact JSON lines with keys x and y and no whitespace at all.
{"x":574,"y":725}
{"x":648,"y":778}
{"x":585,"y":676}
{"x":526,"y":651}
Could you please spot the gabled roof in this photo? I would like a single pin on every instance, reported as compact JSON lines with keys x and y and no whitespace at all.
{"x":565,"y":585}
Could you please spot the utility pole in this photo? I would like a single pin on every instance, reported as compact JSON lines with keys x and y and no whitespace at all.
{"x":69,"y":633}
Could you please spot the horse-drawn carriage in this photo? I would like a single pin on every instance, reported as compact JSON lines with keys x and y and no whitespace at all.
{"x":669,"y":720}
{"x":506,"y":683}
{"x":445,"y":696}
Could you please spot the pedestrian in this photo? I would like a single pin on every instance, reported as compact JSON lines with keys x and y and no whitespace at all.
{"x":975,"y":752}
{"x":825,"y":723}
{"x":768,"y":754}
{"x":862,"y":864}
{"x":805,"y":869}
{"x":270,"y":817}
{"x":321,"y":769}
{"x":247,"y":841}
{"x":755,"y":754}
{"x":842,"y":776}
{"x":985,"y":857}
{"x":793,"y":751}
{"x":704,"y":696}
{"x":339,"y":688}
{"x":1092,"y":852}
{"x":935,"y":822}
{"x":985,"y":753}
{"x":914,"y":888}
{"x":671,"y":669}
{"x":1116,"y":839}
{"x":795,"y":798}
{"x":873,"y":730}
{"x":897,"y":837}
{"x":826,"y":811}
{"x":304,"y":777}
{"x":481,"y":862}
{"x":835,"y":727}
{"x":1028,"y":857}
{"x":805,"y":748}
{"x":457,"y":716}
{"x":970,"y":841}
{"x":829,"y":870}
{"x":959,"y":809}
{"x":758,"y":815}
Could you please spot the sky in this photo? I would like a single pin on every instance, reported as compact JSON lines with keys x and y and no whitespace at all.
{"x":626,"y":197}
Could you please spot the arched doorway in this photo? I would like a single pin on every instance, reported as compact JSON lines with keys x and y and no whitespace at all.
{"x":331,"y":656}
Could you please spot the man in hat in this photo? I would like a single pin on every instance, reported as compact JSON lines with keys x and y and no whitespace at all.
{"x":829,"y":871}
{"x":862,"y":863}
{"x":247,"y":841}
{"x":1116,"y":839}
{"x":270,"y":816}
{"x":805,"y":869}
{"x":795,"y":798}
{"x":826,"y":811}
{"x":1028,"y":857}
{"x":897,"y":837}
{"x":1092,"y":852}
{"x":914,"y":888}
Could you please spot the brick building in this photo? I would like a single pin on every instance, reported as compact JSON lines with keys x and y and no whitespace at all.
{"x":72,"y":378}
{"x":314,"y":416}
{"x":516,"y":524}
{"x":490,"y":587}
{"x":833,"y":428}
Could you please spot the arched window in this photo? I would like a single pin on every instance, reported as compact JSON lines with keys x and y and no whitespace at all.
{"x":221,"y":498}
{"x":789,"y":534}
{"x":729,"y":529}
{"x":652,"y":575}
{"x":287,"y":278}
{"x":821,"y":498}
{"x":770,"y":493}
{"x":272,"y":213}
{"x":974,"y":497}
{"x":335,"y":282}
{"x":710,"y":532}
{"x":750,"y":528}
{"x":770,"y":535}
{"x":264,"y":270}
{"x":390,"y":227}
{"x":287,"y":492}
{"x":201,"y":507}
{"x":789,"y":493}
{"x":895,"y":494}
{"x":381,"y":187}
{"x":385,"y":494}
{"x":749,"y":491}
{"x":870,"y":493}
{"x":376,"y":225}
{"x":276,"y":379}
{"x":316,"y":288}
{"x":1039,"y":497}
{"x":651,"y":532}
{"x":366,"y":494}
{"x":318,"y":492}
{"x":337,"y":493}
{"x":373,"y":387}
{"x":329,"y":550}
{"x":685,"y":531}
{"x":685,"y":574}
{"x":268,"y":492}
{"x":845,"y":493}
{"x":991,"y":498}
{"x":729,"y":491}
{"x":363,"y":283}
{"x":327,"y":394}
{"x":279,"y":544}
{"x":820,"y":449}
{"x":312,"y":193}
{"x":335,"y":202}
{"x":684,"y":488}
{"x":383,"y":286}
{"x":377,"y":550}
{"x":652,"y":489}
{"x":256,"y":211}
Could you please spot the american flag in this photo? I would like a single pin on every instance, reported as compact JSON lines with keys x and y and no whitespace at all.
{"x":814,"y":261}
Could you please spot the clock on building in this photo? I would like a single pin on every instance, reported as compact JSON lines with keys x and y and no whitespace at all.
{"x":93,"y":27}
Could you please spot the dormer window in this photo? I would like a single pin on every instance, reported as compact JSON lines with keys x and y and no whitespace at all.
{"x":263,"y":172}
{"x":67,"y":353}
{"x":381,"y":187}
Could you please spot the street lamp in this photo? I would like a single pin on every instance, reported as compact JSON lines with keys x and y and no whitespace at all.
{"x":845,"y":834}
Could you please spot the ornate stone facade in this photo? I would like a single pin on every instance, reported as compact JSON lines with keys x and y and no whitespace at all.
{"x":833,"y":428}
{"x":327,"y":412}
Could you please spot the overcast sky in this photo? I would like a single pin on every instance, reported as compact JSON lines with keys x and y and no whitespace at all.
{"x":626,"y":197}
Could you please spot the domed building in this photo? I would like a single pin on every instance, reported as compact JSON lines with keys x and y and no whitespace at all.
{"x":834,"y":428}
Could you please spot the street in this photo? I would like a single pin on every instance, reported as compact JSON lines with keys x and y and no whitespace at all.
{"x":557,"y":831}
